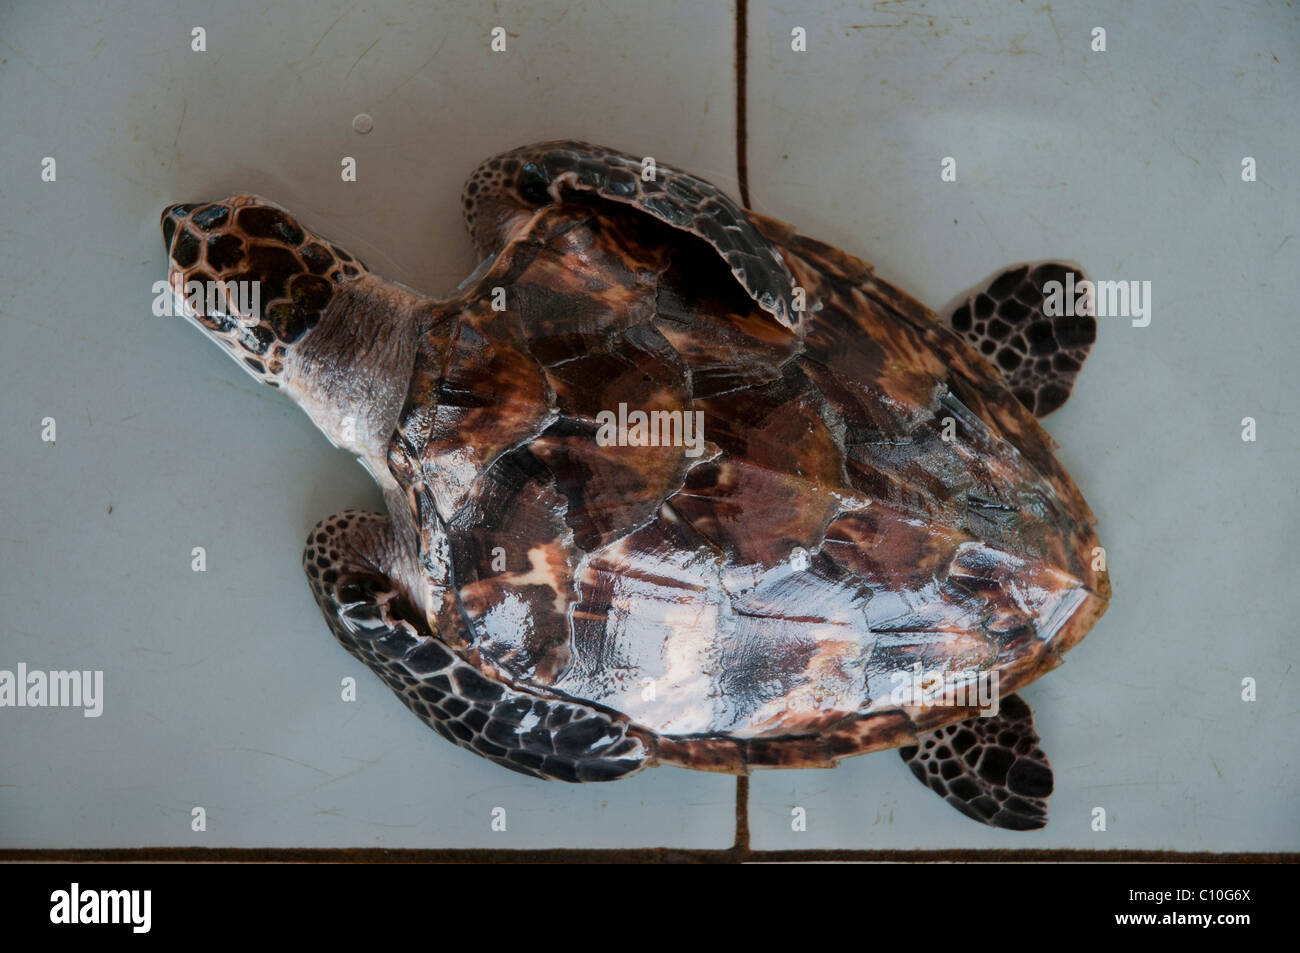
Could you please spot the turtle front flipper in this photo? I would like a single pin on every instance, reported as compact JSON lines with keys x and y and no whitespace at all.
{"x":1024,"y":323}
{"x":505,"y":190}
{"x":990,"y":769}
{"x":351,"y":561}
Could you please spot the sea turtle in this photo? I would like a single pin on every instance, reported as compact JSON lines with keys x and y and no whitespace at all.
{"x":670,"y":483}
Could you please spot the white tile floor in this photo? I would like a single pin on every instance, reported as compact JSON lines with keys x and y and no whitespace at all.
{"x":222,"y":687}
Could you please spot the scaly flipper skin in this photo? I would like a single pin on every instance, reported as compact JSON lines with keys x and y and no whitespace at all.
{"x":1039,"y":356}
{"x":991,"y":769}
{"x":534,"y":176}
{"x":348,"y":561}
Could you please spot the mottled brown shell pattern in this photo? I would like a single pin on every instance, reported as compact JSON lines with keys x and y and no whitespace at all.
{"x":870,"y":496}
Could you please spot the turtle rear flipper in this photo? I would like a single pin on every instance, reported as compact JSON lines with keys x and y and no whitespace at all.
{"x":1010,"y":322}
{"x":535,"y":176}
{"x":991,"y":769}
{"x":348,"y":563}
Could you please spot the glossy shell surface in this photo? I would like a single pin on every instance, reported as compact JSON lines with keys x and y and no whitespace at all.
{"x":865,"y":496}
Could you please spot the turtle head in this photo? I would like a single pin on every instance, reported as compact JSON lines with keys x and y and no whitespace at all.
{"x":251,"y":277}
{"x":296,"y":311}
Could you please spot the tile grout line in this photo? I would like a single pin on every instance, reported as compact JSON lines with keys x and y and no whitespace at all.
{"x":336,"y":855}
{"x":742,"y":117}
{"x":741,"y":845}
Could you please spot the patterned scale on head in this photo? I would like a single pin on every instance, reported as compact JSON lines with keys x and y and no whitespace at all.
{"x":244,"y":239}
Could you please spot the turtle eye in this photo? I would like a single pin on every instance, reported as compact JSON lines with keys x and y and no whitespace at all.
{"x":532,"y":184}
